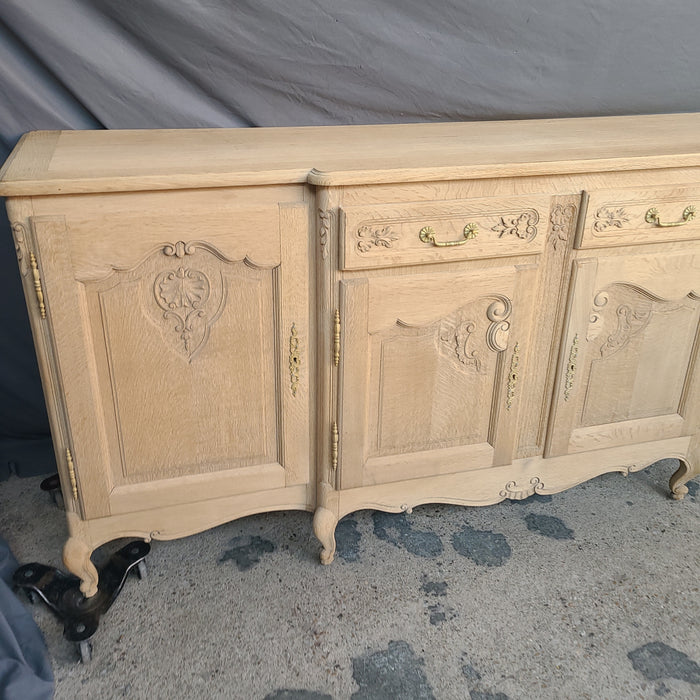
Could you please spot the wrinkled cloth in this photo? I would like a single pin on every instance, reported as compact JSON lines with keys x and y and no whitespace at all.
{"x":91,"y":64}
{"x":25,"y":669}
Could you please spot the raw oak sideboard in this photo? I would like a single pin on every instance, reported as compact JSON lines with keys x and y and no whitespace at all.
{"x":334,"y":318}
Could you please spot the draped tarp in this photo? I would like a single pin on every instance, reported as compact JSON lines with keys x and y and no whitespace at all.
{"x":25,"y":670}
{"x":76,"y":64}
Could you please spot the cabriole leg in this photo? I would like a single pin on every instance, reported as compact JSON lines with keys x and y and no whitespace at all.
{"x":687,"y":470}
{"x":76,"y":557}
{"x":325,"y":522}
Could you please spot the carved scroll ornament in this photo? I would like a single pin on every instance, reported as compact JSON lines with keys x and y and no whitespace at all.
{"x":459,"y":332}
{"x":517,"y":492}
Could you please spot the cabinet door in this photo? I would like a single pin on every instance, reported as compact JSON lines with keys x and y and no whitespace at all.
{"x":630,"y":352}
{"x":429,"y":372}
{"x":180,"y":328}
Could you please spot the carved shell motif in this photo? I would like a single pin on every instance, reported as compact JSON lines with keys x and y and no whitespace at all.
{"x":186,"y":297}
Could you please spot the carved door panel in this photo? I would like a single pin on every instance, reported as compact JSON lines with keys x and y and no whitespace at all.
{"x":630,"y":352}
{"x":182,"y":351}
{"x":429,"y":372}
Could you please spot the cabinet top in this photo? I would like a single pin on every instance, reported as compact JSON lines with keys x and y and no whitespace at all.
{"x":63,"y":162}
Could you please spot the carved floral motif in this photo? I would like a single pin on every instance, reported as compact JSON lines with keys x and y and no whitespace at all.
{"x":562,"y":218}
{"x":377,"y":237}
{"x":324,"y":229}
{"x":607,"y":217}
{"x":20,"y":235}
{"x":523,"y":226}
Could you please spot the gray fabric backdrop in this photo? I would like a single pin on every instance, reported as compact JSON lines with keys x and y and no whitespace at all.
{"x":76,"y":64}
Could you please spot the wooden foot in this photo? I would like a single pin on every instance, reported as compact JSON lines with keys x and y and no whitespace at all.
{"x":324,"y":529}
{"x":683,"y":474}
{"x":76,"y":557}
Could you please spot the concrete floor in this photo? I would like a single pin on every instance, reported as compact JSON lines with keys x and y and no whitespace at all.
{"x":591,"y":593}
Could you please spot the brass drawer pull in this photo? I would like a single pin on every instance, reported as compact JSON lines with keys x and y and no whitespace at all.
{"x":652,"y":217}
{"x":427,"y":235}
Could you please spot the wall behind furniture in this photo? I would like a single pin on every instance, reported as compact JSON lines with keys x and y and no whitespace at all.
{"x":91,"y":64}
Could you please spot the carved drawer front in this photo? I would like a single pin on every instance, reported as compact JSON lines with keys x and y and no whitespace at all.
{"x":641,"y":215}
{"x":427,"y":232}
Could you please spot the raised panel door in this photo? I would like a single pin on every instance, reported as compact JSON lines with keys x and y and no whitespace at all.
{"x":181,"y":353}
{"x":429,"y":371}
{"x":630,"y":353}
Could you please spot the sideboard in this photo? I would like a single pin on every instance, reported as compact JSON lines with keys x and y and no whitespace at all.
{"x":334,"y":318}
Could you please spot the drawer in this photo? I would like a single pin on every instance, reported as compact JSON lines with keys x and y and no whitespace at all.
{"x":641,"y":215}
{"x":427,"y":232}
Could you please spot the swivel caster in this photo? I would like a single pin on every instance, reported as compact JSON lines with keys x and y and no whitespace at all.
{"x":61,"y":592}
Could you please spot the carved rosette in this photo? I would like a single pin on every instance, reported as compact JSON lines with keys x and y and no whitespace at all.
{"x":561,"y":220}
{"x":524,"y":225}
{"x":610,"y":217}
{"x":518,"y":492}
{"x":371,"y":238}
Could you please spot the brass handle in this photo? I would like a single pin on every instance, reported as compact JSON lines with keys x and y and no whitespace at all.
{"x":652,"y":217}
{"x":427,"y":235}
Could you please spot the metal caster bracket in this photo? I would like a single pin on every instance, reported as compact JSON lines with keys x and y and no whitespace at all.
{"x":61,"y":592}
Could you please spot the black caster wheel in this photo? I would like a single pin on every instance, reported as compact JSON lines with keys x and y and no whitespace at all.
{"x":85,"y":651}
{"x":32,"y":596}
